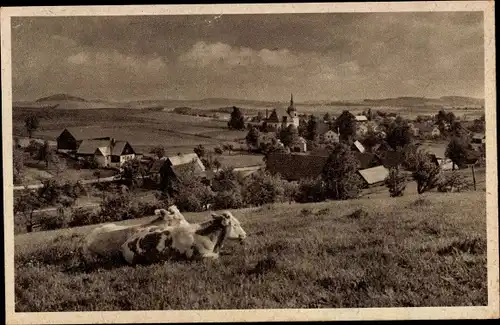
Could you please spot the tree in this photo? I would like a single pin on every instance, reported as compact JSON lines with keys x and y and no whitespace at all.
{"x":327,"y":118}
{"x":346,"y":125}
{"x":396,"y":182}
{"x":288,"y":135}
{"x":227,"y":190}
{"x":31,"y":123}
{"x":158,"y":151}
{"x":340,"y":173}
{"x":371,"y":140}
{"x":311,"y":128}
{"x":26,"y":205}
{"x":59,"y":164}
{"x":216,"y":164}
{"x":444,"y":120}
{"x":399,"y":134}
{"x":200,"y":151}
{"x":190,"y":193}
{"x":237,"y":120}
{"x":252,"y":138}
{"x":18,"y":165}
{"x":132,"y":172}
{"x":426,"y":175}
{"x":457,"y":151}
{"x":45,"y":153}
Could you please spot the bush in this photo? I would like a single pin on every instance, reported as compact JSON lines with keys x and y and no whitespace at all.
{"x":262,"y":187}
{"x":82,"y":217}
{"x":228,"y":200}
{"x":53,"y":222}
{"x":453,"y":182}
{"x":340,"y":174}
{"x":427,"y":175}
{"x":116,"y":207}
{"x":396,"y":182}
{"x":311,"y":190}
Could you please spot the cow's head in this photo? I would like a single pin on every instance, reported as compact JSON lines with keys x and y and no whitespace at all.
{"x":235,"y":229}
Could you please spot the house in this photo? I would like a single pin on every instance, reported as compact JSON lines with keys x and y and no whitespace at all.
{"x":107,"y":153}
{"x":282,"y":119}
{"x":295,"y":166}
{"x":361,"y":118}
{"x":435,"y":131}
{"x":425,"y":129}
{"x":413,"y":129}
{"x":179,"y":163}
{"x":299,"y":145}
{"x":70,"y":138}
{"x":374,"y":176}
{"x":478,"y":138}
{"x":330,"y":137}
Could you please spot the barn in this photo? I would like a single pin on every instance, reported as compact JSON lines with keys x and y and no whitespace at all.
{"x":296,"y":166}
{"x":70,"y":138}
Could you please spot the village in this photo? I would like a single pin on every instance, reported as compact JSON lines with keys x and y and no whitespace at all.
{"x":285,"y":143}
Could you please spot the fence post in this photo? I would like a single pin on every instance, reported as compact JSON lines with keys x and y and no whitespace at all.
{"x":473,"y":177}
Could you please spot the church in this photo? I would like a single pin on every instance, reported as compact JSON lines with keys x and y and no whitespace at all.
{"x":282,"y":119}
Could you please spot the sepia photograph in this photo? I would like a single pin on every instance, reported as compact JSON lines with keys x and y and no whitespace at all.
{"x":250,"y":162}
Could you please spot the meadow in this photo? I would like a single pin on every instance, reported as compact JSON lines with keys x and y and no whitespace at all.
{"x":416,"y":250}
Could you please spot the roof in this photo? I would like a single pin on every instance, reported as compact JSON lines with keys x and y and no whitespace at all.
{"x":119,"y":147}
{"x":88,"y":147}
{"x":361,"y":118}
{"x":374,"y":175}
{"x":294,"y":167}
{"x":157,"y":165}
{"x":359,"y":146}
{"x":392,"y":158}
{"x":478,"y":136}
{"x":274,"y":118}
{"x":86,"y":132}
{"x":179,"y":163}
{"x":367,"y":160}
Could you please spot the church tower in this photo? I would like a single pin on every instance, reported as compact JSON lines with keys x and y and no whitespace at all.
{"x":291,"y":109}
{"x":292,"y":113}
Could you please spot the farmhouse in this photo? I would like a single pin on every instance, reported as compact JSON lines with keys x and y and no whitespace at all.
{"x":178,"y":164}
{"x":478,"y":138}
{"x":70,"y":138}
{"x":107,"y":153}
{"x":330,"y":137}
{"x":374,"y":176}
{"x":296,"y":166}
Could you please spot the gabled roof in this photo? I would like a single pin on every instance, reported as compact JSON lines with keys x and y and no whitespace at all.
{"x":86,"y":132}
{"x":392,"y":158}
{"x":88,"y":147}
{"x":185,"y":159}
{"x":179,"y":163}
{"x":374,"y":175}
{"x":274,"y":118}
{"x":119,"y":147}
{"x":294,"y":167}
{"x":157,"y":165}
{"x":367,"y":160}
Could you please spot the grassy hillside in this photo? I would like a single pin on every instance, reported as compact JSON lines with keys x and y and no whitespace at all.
{"x":409,"y":251}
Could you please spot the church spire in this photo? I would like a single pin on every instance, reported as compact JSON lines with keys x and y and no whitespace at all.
{"x":291,"y":108}
{"x":291,"y":99}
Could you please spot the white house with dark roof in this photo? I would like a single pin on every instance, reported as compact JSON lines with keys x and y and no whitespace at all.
{"x":107,"y":153}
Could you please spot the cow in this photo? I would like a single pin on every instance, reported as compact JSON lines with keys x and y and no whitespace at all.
{"x":196,"y":241}
{"x":106,"y":241}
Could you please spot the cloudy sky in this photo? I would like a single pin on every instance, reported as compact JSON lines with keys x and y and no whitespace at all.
{"x":263,"y":57}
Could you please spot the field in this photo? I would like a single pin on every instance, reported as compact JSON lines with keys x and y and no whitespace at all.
{"x":427,"y":250}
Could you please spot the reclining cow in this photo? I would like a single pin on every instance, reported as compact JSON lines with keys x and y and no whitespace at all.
{"x":155,"y":244}
{"x":106,"y":241}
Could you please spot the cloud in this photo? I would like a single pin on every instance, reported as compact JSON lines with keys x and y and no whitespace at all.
{"x":203,"y":54}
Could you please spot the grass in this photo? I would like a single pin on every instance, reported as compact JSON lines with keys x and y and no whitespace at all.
{"x":410,"y":251}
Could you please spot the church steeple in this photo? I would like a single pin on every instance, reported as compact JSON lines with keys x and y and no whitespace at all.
{"x":291,"y":109}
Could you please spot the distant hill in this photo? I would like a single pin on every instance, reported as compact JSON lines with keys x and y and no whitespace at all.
{"x":58,"y":97}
